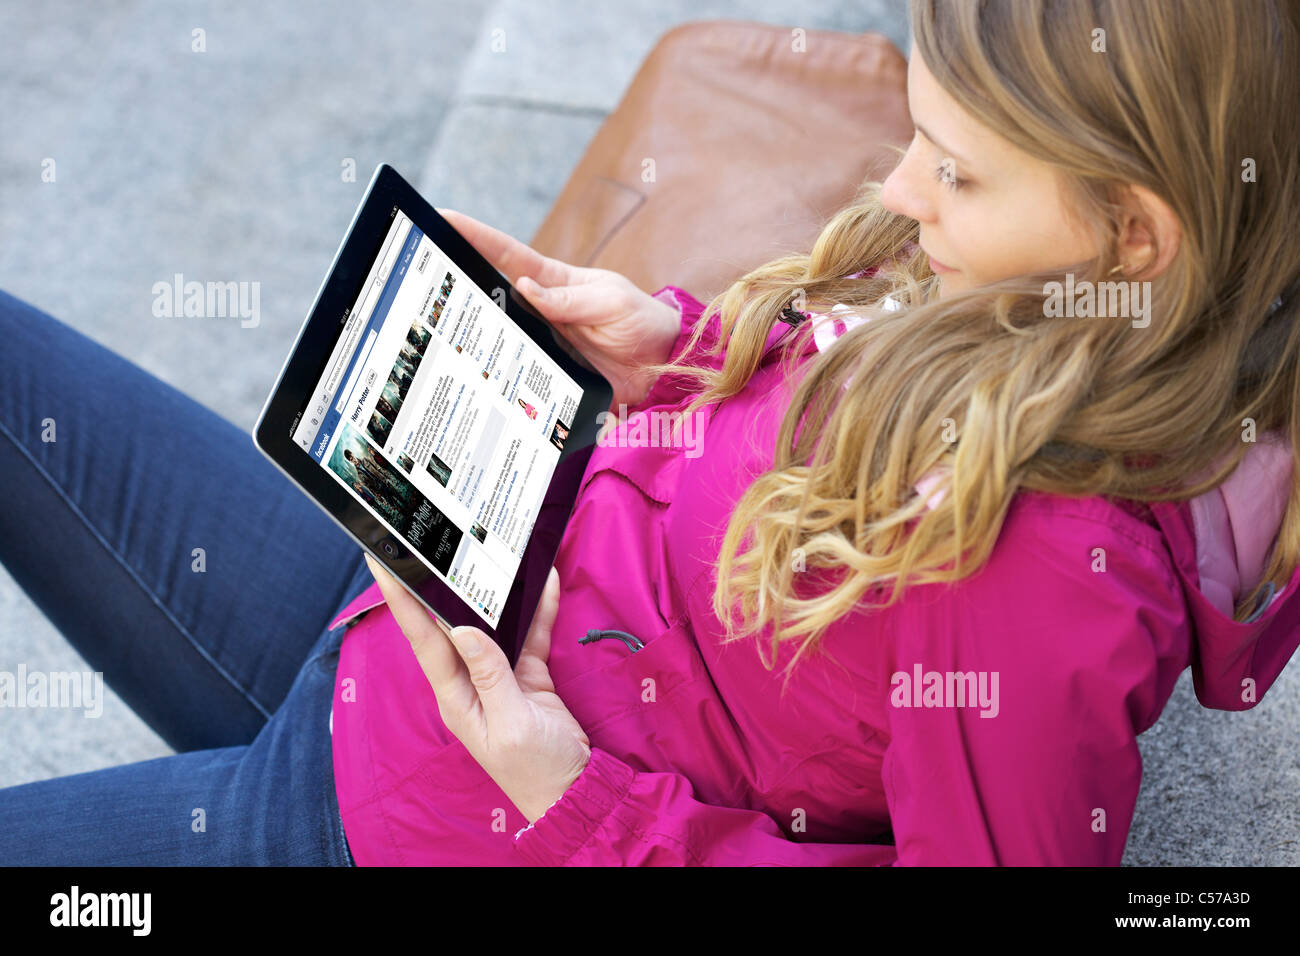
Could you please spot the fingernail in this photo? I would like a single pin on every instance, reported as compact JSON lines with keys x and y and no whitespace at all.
{"x":469,"y":645}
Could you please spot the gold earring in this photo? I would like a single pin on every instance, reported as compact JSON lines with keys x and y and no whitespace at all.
{"x":1116,"y":269}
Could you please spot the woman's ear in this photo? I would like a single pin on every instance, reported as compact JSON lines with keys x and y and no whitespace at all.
{"x":1150,"y":234}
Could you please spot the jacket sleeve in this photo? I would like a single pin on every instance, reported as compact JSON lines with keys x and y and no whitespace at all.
{"x":614,"y":815}
{"x":1045,"y":768}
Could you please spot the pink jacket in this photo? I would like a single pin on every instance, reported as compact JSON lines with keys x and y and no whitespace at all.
{"x":991,"y":722}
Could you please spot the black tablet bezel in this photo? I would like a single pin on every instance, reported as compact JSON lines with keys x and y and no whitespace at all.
{"x":387,"y":193}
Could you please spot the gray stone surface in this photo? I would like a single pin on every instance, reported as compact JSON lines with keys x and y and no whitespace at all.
{"x":1218,"y":788}
{"x":225,"y":165}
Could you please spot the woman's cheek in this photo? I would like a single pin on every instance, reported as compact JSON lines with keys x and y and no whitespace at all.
{"x":989,"y":255}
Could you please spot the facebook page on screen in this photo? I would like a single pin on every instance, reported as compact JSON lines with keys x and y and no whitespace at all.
{"x":441,"y":416}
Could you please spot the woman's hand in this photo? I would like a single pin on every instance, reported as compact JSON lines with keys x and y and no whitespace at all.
{"x":513,"y":724}
{"x":618,"y":327}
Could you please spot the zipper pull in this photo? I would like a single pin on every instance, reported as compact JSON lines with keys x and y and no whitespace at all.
{"x":633,"y":642}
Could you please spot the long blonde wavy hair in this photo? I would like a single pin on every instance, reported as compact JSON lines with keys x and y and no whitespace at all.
{"x":1184,"y":95}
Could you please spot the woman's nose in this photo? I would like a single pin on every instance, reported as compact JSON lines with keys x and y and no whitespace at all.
{"x":905,"y":191}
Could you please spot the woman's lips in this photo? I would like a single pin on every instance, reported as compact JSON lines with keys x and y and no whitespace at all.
{"x":938,"y":267}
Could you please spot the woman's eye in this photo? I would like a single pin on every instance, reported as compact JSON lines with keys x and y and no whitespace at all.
{"x":946,"y":173}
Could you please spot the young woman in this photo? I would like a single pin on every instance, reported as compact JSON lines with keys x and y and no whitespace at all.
{"x":951,"y":530}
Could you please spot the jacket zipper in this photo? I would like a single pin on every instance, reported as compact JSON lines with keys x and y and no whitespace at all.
{"x":633,"y":642}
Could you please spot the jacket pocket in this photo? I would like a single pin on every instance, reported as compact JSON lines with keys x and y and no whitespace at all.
{"x":634,"y":682}
{"x":657,"y":709}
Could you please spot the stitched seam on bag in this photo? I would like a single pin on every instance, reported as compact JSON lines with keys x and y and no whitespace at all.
{"x":622,"y":220}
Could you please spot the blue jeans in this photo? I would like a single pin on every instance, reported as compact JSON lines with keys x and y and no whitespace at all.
{"x":223,"y":652}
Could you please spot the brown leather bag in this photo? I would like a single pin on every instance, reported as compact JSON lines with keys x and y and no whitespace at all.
{"x":729,"y":149}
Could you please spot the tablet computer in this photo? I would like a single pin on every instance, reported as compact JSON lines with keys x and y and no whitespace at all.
{"x":435,"y":415}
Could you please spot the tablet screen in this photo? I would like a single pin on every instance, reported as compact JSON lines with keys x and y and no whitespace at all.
{"x":441,"y":417}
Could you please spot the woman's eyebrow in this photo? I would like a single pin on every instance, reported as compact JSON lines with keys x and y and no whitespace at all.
{"x":924,"y":132}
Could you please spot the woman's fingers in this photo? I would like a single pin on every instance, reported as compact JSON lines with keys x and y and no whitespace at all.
{"x":429,"y":639}
{"x":464,"y":666}
{"x":507,"y":254}
{"x":531,"y":667}
{"x":437,"y":656}
{"x":583,"y":304}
